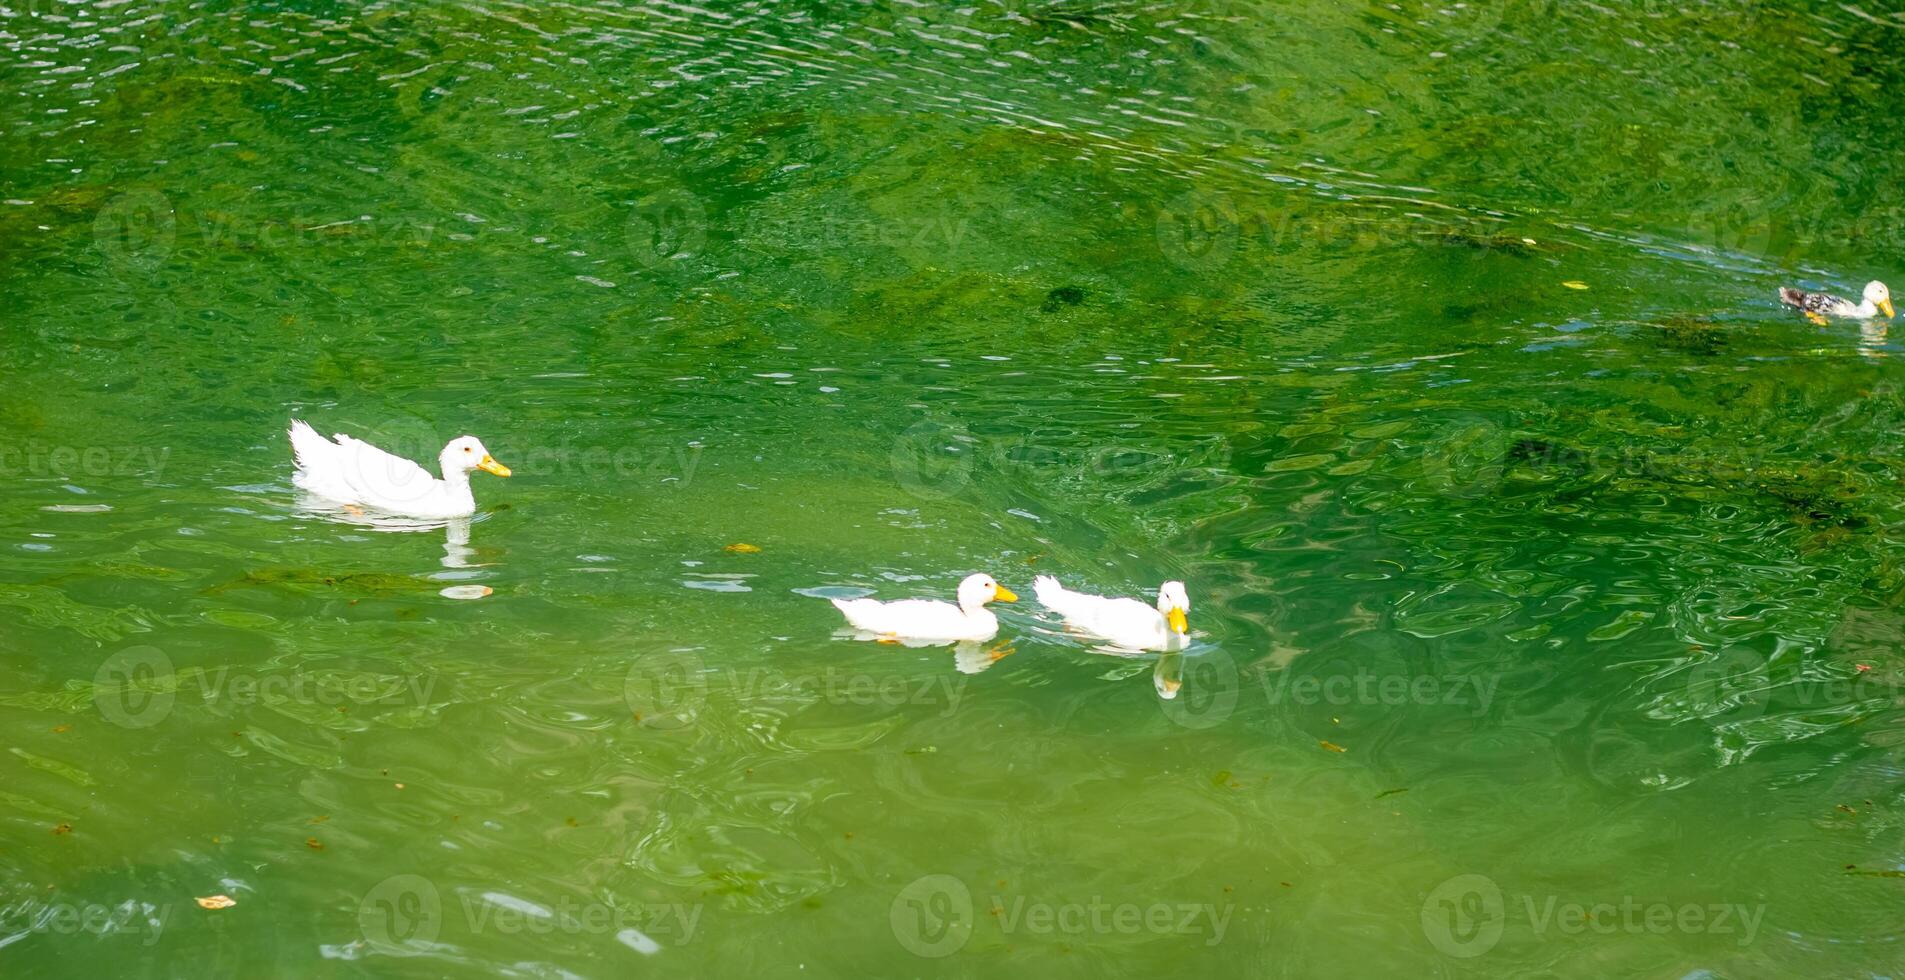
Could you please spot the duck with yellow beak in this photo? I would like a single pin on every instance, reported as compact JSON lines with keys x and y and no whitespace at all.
{"x":930,"y":620}
{"x":357,"y":474}
{"x":1127,"y":624}
{"x":1818,"y":306}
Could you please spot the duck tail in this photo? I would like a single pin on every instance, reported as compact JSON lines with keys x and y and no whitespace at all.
{"x":1048,"y":590}
{"x":307,"y":447}
{"x":853,"y":609}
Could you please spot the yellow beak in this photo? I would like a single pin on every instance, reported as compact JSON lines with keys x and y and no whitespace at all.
{"x":1176,"y":618}
{"x":490,"y":465}
{"x":1003,"y":594}
{"x":1886,"y":305}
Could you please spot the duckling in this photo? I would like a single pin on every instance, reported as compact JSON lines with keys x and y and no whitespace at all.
{"x":1818,"y":306}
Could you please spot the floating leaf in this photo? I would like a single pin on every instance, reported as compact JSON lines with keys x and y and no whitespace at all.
{"x":1391,"y":792}
{"x":216,"y":902}
{"x":313,"y":843}
{"x":743,"y":548}
{"x":1575,"y":284}
{"x":1332,"y":746}
{"x":65,"y":828}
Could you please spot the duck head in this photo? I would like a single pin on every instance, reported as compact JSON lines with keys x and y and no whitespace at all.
{"x":1175,"y":604}
{"x":977,"y":590}
{"x":1879,"y":296}
{"x":466,"y":453}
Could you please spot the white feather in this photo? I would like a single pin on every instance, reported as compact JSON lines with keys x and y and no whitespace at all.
{"x":351,"y":471}
{"x":1125,"y":623}
{"x":929,"y":620}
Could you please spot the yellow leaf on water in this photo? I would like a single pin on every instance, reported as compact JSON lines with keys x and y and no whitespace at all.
{"x":743,"y":548}
{"x":216,"y":902}
{"x":1575,"y":284}
{"x":1332,"y":746}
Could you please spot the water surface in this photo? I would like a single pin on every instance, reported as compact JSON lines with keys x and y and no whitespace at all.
{"x":1544,"y":569}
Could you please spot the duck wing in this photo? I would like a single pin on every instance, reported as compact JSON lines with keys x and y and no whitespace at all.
{"x":906,"y":617}
{"x":355,"y":472}
{"x":1065,"y":602}
{"x":1820,"y":303}
{"x":1126,"y":622}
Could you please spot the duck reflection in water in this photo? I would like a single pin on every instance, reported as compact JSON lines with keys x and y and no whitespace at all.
{"x":1873,"y":335}
{"x":457,"y":552}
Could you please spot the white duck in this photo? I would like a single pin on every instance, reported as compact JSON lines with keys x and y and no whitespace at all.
{"x":1818,"y":306}
{"x":1126,"y":623}
{"x":931,"y":619}
{"x":356,"y":473}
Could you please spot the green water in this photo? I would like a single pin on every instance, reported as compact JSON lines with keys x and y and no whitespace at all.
{"x":1517,"y":602}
